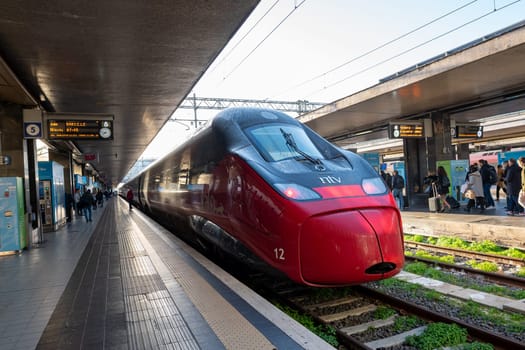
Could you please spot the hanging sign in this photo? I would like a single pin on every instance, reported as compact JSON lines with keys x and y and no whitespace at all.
{"x":79,"y":129}
{"x":467,"y":131}
{"x":406,"y":130}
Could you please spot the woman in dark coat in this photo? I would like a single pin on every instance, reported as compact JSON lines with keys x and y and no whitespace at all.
{"x":513,"y":181}
{"x":443,"y":185}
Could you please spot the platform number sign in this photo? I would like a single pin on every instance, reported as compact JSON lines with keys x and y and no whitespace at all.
{"x":32,"y":130}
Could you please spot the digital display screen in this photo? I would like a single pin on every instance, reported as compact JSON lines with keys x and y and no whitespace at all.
{"x":399,"y":131}
{"x":469,"y":131}
{"x":61,"y":129}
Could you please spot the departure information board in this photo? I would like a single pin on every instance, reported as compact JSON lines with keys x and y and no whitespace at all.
{"x":468,"y":132}
{"x":79,"y":129}
{"x":406,"y":130}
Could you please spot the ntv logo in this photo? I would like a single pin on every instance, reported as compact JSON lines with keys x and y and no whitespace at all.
{"x":330,"y":180}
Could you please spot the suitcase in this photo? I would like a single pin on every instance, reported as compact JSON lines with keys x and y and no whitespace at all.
{"x":454,"y":204}
{"x":434,"y":203}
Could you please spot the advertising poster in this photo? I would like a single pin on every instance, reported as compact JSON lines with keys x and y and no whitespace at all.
{"x":456,"y":171}
{"x":459,"y":173}
{"x":12,"y":224}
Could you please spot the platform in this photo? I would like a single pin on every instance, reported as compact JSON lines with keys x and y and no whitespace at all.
{"x":491,"y":224}
{"x":123,"y":282}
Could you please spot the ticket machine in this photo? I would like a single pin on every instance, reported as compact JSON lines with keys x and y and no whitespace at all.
{"x":46,"y":205}
{"x":52,"y":195}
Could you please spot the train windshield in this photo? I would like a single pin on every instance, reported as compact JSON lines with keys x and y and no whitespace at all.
{"x":270,"y":142}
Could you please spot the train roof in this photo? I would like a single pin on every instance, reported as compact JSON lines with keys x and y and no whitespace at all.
{"x":247,"y":116}
{"x":229,"y":122}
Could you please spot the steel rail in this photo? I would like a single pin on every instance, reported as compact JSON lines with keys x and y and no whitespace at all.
{"x":484,"y":335}
{"x":492,"y":276}
{"x":467,"y":253}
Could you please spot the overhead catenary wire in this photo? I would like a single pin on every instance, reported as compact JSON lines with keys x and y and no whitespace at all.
{"x":263,"y":40}
{"x":244,"y":36}
{"x":375,"y":49}
{"x":412,"y":48}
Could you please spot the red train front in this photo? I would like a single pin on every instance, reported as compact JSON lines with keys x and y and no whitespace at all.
{"x":259,"y":182}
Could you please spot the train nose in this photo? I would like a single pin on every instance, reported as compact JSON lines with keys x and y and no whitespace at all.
{"x":356,"y":245}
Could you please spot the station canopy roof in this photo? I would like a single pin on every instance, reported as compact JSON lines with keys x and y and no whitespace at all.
{"x":134,"y":60}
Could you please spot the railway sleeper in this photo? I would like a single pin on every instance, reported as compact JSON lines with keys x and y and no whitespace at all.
{"x":331,"y":303}
{"x":395,"y":340}
{"x":353,"y":312}
{"x":372,"y":324}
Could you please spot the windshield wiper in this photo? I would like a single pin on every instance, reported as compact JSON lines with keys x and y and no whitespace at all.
{"x":290,"y":142}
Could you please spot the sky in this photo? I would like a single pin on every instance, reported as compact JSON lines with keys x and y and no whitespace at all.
{"x":325,"y":50}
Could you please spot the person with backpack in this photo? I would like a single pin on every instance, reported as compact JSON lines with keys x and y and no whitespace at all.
{"x":488,"y":178}
{"x":86,"y":202}
{"x":398,"y":183}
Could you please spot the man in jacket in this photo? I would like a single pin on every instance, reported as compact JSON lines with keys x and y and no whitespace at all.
{"x":487,"y":184}
{"x":86,"y":202}
{"x":398,"y":183}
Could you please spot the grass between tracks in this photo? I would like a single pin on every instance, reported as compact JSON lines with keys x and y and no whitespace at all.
{"x":513,"y":322}
{"x":484,"y":246}
{"x":327,"y":333}
{"x":423,"y":269}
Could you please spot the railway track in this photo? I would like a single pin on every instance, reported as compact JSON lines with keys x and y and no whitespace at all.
{"x":466,"y":253}
{"x":355,"y":316}
{"x":499,"y":278}
{"x":356,"y":320}
{"x":358,"y":314}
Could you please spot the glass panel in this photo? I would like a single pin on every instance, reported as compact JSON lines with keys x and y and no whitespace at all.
{"x":270,"y":142}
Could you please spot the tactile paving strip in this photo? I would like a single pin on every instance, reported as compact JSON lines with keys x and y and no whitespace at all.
{"x":154,"y":321}
{"x":221,"y":316}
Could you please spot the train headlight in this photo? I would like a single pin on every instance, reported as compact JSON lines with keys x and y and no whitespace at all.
{"x":373,"y":185}
{"x":297,"y":192}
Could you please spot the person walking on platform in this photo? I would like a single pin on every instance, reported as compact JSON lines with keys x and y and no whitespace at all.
{"x":514,"y":185}
{"x":488,"y":177}
{"x":475,"y":184}
{"x":86,"y":201}
{"x":100,"y":198}
{"x":129,"y":197}
{"x":69,"y":206}
{"x":398,"y":183}
{"x":429,"y":181}
{"x":443,"y":185}
{"x":77,"y":202}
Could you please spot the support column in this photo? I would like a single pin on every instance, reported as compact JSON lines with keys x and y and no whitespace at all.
{"x":462,"y":151}
{"x":415,"y":154}
{"x":421,"y":156}
{"x":442,"y":140}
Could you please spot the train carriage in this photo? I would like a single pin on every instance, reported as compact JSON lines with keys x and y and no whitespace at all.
{"x":267,"y":189}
